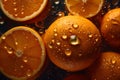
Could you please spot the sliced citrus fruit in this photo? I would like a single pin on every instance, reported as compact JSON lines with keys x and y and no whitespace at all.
{"x":22,"y":10}
{"x":86,"y":8}
{"x":22,"y":53}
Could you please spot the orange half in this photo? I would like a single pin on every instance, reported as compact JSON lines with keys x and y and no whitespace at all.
{"x":22,"y":10}
{"x":22,"y":53}
{"x":85,"y":8}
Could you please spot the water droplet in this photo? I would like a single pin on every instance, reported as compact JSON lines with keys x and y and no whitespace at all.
{"x":55,"y":30}
{"x":2,"y":22}
{"x":68,"y":52}
{"x":108,"y":19}
{"x":70,"y":30}
{"x":83,"y":10}
{"x":25,"y":59}
{"x":14,"y":3}
{"x":64,"y":36}
{"x":16,"y":43}
{"x":96,"y":39}
{"x":53,"y":41}
{"x":74,"y":40}
{"x":58,"y":43}
{"x":50,"y":45}
{"x":21,"y":66}
{"x":90,"y":35}
{"x":15,"y":9}
{"x":118,"y":67}
{"x":75,"y":26}
{"x":19,"y":53}
{"x":61,"y":14}
{"x":79,"y":54}
{"x":57,"y":2}
{"x":5,"y":0}
{"x":84,"y":1}
{"x":55,"y":34}
{"x":22,"y":12}
{"x":9,"y":51}
{"x":5,"y":47}
{"x":106,"y":26}
{"x":113,"y":61}
{"x":112,"y":36}
{"x":3,"y":37}
{"x":29,"y":73}
{"x":16,"y":15}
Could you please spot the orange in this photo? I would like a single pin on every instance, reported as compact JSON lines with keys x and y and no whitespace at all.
{"x":72,"y":42}
{"x":23,"y":10}
{"x":110,"y":28}
{"x":22,"y":53}
{"x":106,"y":67}
{"x":86,"y":8}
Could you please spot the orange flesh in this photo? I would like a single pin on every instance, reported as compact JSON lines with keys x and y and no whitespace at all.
{"x":90,"y":7}
{"x":21,"y":8}
{"x":20,"y":54}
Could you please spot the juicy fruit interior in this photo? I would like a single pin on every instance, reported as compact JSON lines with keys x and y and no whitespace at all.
{"x":20,"y":50}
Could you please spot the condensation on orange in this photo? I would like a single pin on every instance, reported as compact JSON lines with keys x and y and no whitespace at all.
{"x":22,"y":10}
{"x":86,"y":8}
{"x":22,"y":53}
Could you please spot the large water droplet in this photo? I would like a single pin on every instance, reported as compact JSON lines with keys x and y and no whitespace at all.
{"x":75,"y":26}
{"x":74,"y":40}
{"x":68,"y":52}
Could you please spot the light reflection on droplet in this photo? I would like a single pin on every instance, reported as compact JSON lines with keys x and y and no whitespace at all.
{"x":68,"y":52}
{"x":3,"y":37}
{"x":64,"y":36}
{"x":75,"y":26}
{"x":58,"y":43}
{"x":29,"y":73}
{"x":90,"y":36}
{"x":74,"y":40}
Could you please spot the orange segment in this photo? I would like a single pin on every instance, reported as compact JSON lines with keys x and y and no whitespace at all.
{"x":22,"y":53}
{"x":23,"y":10}
{"x":86,"y":8}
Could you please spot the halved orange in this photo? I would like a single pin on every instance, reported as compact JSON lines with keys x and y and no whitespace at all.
{"x":22,"y":10}
{"x":22,"y":53}
{"x":86,"y":8}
